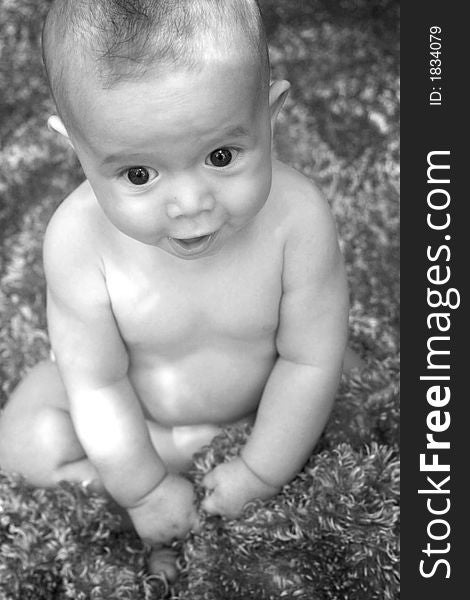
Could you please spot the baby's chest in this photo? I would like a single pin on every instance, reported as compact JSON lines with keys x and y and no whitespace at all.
{"x":162,"y":310}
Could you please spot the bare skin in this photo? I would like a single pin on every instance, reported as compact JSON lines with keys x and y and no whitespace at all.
{"x":161,"y":340}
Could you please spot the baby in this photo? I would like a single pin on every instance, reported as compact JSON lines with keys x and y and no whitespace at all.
{"x":193,"y":281}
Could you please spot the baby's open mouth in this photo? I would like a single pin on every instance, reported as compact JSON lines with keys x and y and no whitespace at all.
{"x":192,"y":245}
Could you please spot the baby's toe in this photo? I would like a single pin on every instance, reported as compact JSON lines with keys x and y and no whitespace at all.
{"x":162,"y":561}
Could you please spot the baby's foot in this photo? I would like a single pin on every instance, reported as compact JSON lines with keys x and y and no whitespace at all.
{"x":162,"y":561}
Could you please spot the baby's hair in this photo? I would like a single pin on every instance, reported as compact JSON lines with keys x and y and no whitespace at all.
{"x":127,"y":38}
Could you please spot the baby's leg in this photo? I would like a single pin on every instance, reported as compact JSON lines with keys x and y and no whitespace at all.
{"x":37,"y":438}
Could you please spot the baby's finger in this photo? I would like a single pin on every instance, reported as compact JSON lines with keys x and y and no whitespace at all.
{"x":210,"y":506}
{"x":208,"y":480}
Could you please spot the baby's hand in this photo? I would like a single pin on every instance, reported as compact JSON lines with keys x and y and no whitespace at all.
{"x":230,"y":486}
{"x":167,"y":512}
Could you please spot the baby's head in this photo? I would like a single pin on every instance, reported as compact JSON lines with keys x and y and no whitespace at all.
{"x":167,"y":100}
{"x":126,"y":40}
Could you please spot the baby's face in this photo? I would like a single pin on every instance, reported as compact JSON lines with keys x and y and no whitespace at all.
{"x":182,"y":160}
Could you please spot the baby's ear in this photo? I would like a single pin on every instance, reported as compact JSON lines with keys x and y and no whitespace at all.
{"x":55,"y":123}
{"x":278,"y":91}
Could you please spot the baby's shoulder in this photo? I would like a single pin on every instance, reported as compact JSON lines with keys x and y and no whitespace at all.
{"x":298,"y":203}
{"x":76,"y":219}
{"x":73,"y":233}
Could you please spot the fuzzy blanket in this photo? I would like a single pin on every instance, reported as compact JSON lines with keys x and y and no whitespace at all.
{"x":333,"y":532}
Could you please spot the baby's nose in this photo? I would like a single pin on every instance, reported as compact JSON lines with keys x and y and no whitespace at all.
{"x":189,"y":205}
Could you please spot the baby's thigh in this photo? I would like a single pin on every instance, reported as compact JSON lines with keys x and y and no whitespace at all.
{"x":177,"y":445}
{"x":36,"y":432}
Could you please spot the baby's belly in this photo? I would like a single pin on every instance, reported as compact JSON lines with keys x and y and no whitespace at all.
{"x":202,"y":387}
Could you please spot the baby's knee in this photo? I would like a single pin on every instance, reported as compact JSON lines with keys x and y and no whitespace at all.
{"x":37,"y":442}
{"x":42,"y":385}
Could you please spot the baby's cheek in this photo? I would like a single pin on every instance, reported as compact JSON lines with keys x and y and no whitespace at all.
{"x":253,"y":199}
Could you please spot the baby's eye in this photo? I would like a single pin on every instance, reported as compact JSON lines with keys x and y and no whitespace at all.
{"x":221,"y":157}
{"x":140,"y":175}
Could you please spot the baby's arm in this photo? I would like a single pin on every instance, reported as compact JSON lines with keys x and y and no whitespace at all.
{"x":300,"y":391}
{"x":105,"y":411}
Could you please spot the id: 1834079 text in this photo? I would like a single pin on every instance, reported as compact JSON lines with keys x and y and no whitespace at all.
{"x":435,"y":65}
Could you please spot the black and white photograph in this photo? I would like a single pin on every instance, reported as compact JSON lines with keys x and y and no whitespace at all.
{"x":200,"y":303}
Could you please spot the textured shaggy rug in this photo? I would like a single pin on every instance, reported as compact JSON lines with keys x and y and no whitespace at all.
{"x":333,"y":532}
